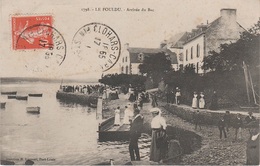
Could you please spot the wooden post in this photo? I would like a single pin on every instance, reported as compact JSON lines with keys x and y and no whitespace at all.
{"x":99,"y":109}
{"x":252,"y":86}
{"x":246,"y":80}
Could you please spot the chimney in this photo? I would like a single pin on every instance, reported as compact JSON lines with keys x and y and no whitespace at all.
{"x":126,"y":46}
{"x":228,"y":14}
{"x":163,"y":44}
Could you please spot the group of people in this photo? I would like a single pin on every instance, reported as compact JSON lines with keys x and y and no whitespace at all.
{"x":159,"y":146}
{"x":225,"y":122}
{"x":85,"y":89}
{"x":134,"y":119}
{"x":173,"y":96}
{"x":198,"y":101}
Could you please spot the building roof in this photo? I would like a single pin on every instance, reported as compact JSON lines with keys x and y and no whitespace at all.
{"x":135,"y":52}
{"x":177,"y":40}
{"x":202,"y":30}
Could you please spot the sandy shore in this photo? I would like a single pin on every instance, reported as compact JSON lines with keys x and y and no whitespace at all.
{"x":213,"y":150}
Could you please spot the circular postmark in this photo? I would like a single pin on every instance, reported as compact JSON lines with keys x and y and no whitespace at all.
{"x":44,"y":45}
{"x":97,"y":45}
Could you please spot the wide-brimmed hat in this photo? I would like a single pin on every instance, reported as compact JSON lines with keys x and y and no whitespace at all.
{"x":155,"y":110}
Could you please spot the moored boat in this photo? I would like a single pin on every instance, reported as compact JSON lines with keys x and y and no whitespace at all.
{"x":35,"y":94}
{"x":3,"y":104}
{"x":9,"y":93}
{"x":21,"y":97}
{"x":11,"y":97}
{"x":108,"y":132}
{"x":33,"y":110}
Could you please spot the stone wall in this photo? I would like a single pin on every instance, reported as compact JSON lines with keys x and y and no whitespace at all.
{"x":207,"y":117}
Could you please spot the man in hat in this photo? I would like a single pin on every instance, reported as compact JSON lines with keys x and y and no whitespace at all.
{"x":250,"y":117}
{"x":238,"y":123}
{"x":158,"y":125}
{"x":250,"y":122}
{"x":135,"y":133}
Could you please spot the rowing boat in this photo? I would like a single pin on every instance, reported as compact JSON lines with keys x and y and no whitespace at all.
{"x":35,"y":94}
{"x":11,"y":97}
{"x":108,"y":132}
{"x":3,"y":104}
{"x":33,"y":110}
{"x":21,"y":97}
{"x":9,"y":93}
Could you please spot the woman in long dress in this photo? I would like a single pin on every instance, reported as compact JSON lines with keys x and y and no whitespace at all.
{"x":201,"y":101}
{"x":195,"y":101}
{"x":128,"y":114}
{"x":158,"y":143}
{"x":117,"y":117}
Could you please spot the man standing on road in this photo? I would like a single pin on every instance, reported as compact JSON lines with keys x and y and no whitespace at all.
{"x":238,"y":126}
{"x":135,"y":133}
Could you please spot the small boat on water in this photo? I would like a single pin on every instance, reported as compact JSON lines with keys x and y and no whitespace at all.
{"x":9,"y":93}
{"x":35,"y":94}
{"x":108,"y":132}
{"x":21,"y":97}
{"x":11,"y":96}
{"x":33,"y":110}
{"x":2,"y":104}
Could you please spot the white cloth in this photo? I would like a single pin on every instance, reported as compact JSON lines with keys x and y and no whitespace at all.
{"x":158,"y":122}
{"x":117,"y":117}
{"x":194,"y":102}
{"x":254,"y":137}
{"x":201,"y":102}
{"x":178,"y":94}
{"x":128,"y":115}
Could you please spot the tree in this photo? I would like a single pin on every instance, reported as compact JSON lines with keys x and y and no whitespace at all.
{"x":232,"y":56}
{"x":226,"y":66}
{"x":123,"y":79}
{"x":155,"y":66}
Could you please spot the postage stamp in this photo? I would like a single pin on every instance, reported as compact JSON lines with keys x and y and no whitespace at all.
{"x":32,"y":39}
{"x":97,"y":44}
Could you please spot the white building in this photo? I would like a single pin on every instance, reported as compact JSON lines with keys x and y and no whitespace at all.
{"x":132,"y":57}
{"x":193,"y":46}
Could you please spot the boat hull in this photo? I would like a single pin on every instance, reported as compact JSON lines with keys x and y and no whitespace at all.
{"x":11,"y":97}
{"x":9,"y":93}
{"x":35,"y":95}
{"x":2,"y":105}
{"x":108,"y":132}
{"x":33,"y":110}
{"x":21,"y":97}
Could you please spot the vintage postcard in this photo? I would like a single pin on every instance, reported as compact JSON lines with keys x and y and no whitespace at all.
{"x":130,"y":82}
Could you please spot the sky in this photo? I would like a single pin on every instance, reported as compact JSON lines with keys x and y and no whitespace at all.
{"x":138,"y":28}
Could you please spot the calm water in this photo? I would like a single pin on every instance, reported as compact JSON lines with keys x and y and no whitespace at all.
{"x":60,"y":134}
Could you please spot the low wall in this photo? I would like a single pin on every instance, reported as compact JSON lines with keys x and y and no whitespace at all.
{"x":207,"y":117}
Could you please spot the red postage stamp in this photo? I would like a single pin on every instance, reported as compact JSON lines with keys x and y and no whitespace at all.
{"x":27,"y":34}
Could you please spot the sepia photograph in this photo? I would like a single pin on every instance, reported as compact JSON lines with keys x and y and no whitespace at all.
{"x":173,"y":82}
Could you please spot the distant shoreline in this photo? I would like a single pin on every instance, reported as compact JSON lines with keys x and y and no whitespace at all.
{"x":21,"y":80}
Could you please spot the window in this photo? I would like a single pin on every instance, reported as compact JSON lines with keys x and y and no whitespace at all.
{"x":123,"y":60}
{"x":198,"y":50}
{"x":140,"y":57}
{"x":122,"y":69}
{"x":186,"y":55}
{"x":126,"y":70}
{"x":191,"y":53}
{"x":197,"y":67}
